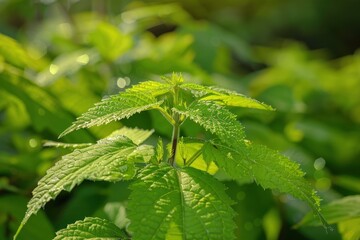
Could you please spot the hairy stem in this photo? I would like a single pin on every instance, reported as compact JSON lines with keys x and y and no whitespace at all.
{"x":176,"y":128}
{"x":174,"y":139}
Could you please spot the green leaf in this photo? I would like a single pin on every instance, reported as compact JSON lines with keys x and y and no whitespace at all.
{"x":44,"y":110}
{"x":91,"y":228}
{"x":337,"y":211}
{"x":224,"y":97}
{"x":15,"y":54}
{"x":189,"y":153}
{"x":151,"y":88}
{"x":349,"y":229}
{"x":12,"y":208}
{"x":159,"y":151}
{"x":136,"y":135}
{"x":65,"y":145}
{"x":108,"y":160}
{"x":267,"y":167}
{"x":169,"y":203}
{"x":109,"y":41}
{"x":217,"y":120}
{"x":139,"y":98}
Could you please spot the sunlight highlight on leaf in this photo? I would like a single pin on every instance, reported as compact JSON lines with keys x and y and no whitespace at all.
{"x":185,"y":203}
{"x":91,"y":228}
{"x":139,"y":98}
{"x":111,"y":155}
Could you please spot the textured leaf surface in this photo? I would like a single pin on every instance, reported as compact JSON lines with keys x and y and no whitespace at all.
{"x":136,"y":135}
{"x":267,"y":167}
{"x":224,"y":97}
{"x":169,"y":203}
{"x":189,"y":152}
{"x":91,"y":228}
{"x":139,"y":98}
{"x":151,"y":87}
{"x":66,"y":145}
{"x":339,"y":210}
{"x":217,"y":120}
{"x":107,"y":160}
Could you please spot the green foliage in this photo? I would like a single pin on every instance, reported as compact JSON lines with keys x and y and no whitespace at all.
{"x":266,"y":167}
{"x":217,"y":120}
{"x":114,"y":155}
{"x":118,"y":107}
{"x":59,"y":58}
{"x":224,"y":97}
{"x":182,"y":202}
{"x":344,"y":212}
{"x":337,"y":211}
{"x":91,"y":228}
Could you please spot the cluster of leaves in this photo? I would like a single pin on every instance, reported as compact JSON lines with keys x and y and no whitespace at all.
{"x":176,"y":200}
{"x":67,"y":61}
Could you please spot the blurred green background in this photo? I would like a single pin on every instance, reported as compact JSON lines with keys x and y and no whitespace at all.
{"x":57,"y":58}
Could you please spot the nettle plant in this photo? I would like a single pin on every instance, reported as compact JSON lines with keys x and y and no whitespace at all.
{"x":172,"y":196}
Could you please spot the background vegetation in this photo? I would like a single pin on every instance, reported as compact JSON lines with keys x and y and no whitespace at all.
{"x":57,"y":58}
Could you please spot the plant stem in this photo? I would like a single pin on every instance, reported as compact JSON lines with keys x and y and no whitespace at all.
{"x":176,"y":128}
{"x":174,"y":139}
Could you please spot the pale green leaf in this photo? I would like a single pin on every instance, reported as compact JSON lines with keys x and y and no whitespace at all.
{"x":15,"y":54}
{"x":109,"y":41}
{"x":217,"y":120}
{"x":349,"y":229}
{"x":108,"y":160}
{"x":65,"y":145}
{"x":136,"y":135}
{"x":267,"y":167}
{"x":224,"y":97}
{"x":169,"y":203}
{"x":139,"y":98}
{"x":339,"y":210}
{"x":189,"y":153}
{"x":196,"y":89}
{"x":272,"y":224}
{"x":151,"y":88}
{"x":159,"y":151}
{"x":91,"y":228}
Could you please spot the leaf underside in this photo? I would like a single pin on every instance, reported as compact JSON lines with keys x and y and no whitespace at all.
{"x":113,"y":156}
{"x":91,"y":228}
{"x":169,"y":203}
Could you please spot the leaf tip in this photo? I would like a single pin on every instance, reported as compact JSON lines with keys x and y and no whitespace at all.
{"x":67,"y":131}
